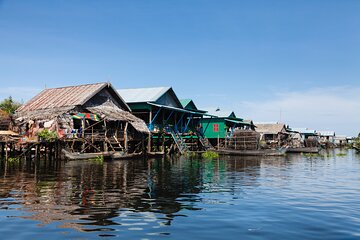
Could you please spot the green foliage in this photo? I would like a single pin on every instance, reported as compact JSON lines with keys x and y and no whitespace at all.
{"x":13,"y":160}
{"x":9,"y":105}
{"x":341,"y":154}
{"x":98,"y":159}
{"x":210,"y":155}
{"x":357,"y":141}
{"x":310,"y":155}
{"x":47,"y":136}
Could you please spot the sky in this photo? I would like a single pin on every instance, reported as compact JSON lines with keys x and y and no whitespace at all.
{"x":296,"y":62}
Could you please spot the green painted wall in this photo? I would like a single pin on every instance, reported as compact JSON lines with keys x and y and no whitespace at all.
{"x":209,"y":131}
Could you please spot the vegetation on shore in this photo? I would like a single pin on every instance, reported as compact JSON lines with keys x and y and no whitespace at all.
{"x":357,"y":141}
{"x":210,"y":155}
{"x":98,"y":160}
{"x":9,"y":105}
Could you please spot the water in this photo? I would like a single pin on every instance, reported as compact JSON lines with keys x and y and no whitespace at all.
{"x":294,"y":197}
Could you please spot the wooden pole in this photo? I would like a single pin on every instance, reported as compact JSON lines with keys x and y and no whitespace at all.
{"x":6,"y":149}
{"x":126,"y":137}
{"x":149,"y":139}
{"x":105,"y":143}
{"x":36,"y":151}
{"x":163,"y":133}
{"x":83,"y":127}
{"x":2,"y":150}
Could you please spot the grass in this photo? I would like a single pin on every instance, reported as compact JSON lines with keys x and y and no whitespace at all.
{"x":210,"y":155}
{"x":341,"y":154}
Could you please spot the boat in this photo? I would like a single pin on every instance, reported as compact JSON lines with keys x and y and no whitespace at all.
{"x":106,"y":155}
{"x":303,"y":150}
{"x":259,"y":152}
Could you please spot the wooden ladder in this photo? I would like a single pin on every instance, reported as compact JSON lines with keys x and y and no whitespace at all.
{"x":180,"y":143}
{"x":204,"y":142}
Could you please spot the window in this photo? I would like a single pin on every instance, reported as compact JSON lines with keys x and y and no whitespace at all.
{"x":216,"y":127}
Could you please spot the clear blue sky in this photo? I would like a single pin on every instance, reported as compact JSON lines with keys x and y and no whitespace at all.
{"x":232,"y":54}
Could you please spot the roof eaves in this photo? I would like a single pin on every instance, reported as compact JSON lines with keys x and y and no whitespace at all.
{"x":94,"y":93}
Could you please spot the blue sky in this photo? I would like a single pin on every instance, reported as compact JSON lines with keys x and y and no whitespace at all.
{"x":255,"y":57}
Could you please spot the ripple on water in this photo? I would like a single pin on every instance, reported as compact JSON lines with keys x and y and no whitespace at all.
{"x":281,"y":198}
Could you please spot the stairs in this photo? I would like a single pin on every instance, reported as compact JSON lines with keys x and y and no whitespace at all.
{"x":180,"y":143}
{"x":204,"y":142}
{"x":115,"y":144}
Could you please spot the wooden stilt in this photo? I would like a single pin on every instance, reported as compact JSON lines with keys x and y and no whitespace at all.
{"x":36,"y":151}
{"x":2,"y":149}
{"x":6,"y":149}
{"x":149,"y":138}
{"x":126,"y":137}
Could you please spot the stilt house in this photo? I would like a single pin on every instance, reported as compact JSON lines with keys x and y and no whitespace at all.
{"x":88,"y":118}
{"x":274,"y":134}
{"x":327,"y":138}
{"x":164,"y":114}
{"x":218,"y":125}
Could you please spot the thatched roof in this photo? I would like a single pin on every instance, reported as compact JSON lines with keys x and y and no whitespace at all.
{"x":270,"y":128}
{"x":111,"y":112}
{"x":43,"y":114}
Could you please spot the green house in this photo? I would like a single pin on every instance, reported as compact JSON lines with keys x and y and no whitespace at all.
{"x":219,"y":124}
{"x":161,"y":109}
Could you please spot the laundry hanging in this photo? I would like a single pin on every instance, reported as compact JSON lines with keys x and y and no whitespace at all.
{"x":89,"y":116}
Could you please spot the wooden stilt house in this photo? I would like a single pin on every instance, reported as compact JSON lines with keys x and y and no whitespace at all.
{"x":86,"y":118}
{"x":169,"y":121}
{"x":218,"y":126}
{"x":272,"y":134}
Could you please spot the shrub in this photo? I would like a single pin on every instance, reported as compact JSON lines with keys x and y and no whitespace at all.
{"x":210,"y":155}
{"x":47,"y":136}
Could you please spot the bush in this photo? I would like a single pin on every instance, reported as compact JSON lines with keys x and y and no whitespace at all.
{"x":47,"y":136}
{"x":210,"y":155}
{"x":357,"y":141}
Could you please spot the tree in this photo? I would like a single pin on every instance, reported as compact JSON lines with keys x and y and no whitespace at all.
{"x":357,"y":141}
{"x":9,"y":105}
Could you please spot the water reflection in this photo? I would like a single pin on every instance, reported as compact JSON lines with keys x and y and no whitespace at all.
{"x":117,"y":197}
{"x":98,"y":194}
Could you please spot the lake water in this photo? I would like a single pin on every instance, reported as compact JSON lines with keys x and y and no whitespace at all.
{"x":293,"y":197}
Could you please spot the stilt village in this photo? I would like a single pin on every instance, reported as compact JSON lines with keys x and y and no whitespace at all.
{"x":87,"y":121}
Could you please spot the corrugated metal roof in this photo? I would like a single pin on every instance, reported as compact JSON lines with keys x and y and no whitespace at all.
{"x":219,"y":113}
{"x":136,"y":95}
{"x":185,"y":102}
{"x":326,"y":133}
{"x":238,"y":122}
{"x":62,"y":97}
{"x":175,"y":109}
{"x":303,"y":130}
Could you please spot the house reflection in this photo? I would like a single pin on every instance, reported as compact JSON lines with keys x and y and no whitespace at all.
{"x":87,"y":196}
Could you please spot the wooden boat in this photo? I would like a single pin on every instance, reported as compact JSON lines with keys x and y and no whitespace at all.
{"x":303,"y":150}
{"x":260,"y":152}
{"x":105,"y":155}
